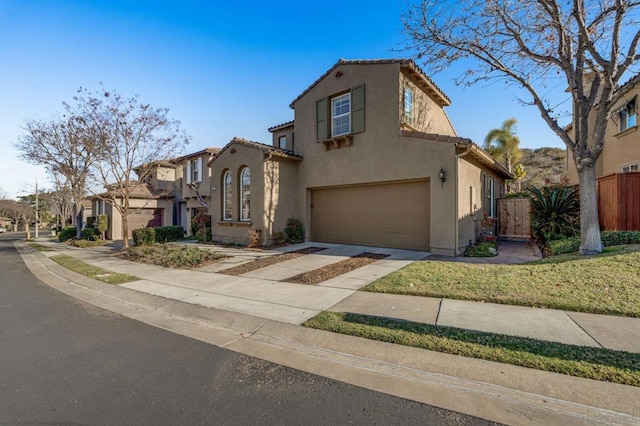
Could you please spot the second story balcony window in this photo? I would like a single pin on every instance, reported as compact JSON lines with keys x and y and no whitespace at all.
{"x":628,"y":115}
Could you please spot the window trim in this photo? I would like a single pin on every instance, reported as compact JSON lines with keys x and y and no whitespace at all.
{"x":624,"y":116}
{"x":334,"y":116}
{"x":407,"y":116}
{"x":227,"y":196}
{"x":490,"y":196}
{"x":245,"y":191}
{"x":280,"y":139}
{"x":629,"y":166}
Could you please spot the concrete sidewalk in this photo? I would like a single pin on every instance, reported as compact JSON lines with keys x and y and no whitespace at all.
{"x":250,"y":315}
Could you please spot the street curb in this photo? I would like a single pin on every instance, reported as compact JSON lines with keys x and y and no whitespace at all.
{"x":499,"y":392}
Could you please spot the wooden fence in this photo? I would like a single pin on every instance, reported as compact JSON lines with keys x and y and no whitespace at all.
{"x":619,"y":202}
{"x":514,"y":218}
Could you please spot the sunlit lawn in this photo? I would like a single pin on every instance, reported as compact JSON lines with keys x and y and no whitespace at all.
{"x":608,"y":283}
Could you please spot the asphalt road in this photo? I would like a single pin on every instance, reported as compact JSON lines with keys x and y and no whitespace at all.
{"x":64,"y":362}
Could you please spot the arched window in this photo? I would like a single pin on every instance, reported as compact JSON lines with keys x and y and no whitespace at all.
{"x":227,"y":198}
{"x":245,"y":194}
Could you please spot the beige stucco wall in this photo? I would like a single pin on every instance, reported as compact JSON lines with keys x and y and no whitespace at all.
{"x":288,"y":132}
{"x":472,"y":198}
{"x":379,"y":154}
{"x":236,"y":230}
{"x":428,"y":116}
{"x":280,"y":200}
{"x":620,"y":148}
{"x":115,"y":219}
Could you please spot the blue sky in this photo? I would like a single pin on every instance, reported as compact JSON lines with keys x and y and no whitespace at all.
{"x":224,"y":69}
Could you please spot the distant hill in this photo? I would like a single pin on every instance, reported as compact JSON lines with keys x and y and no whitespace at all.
{"x":544,"y":166}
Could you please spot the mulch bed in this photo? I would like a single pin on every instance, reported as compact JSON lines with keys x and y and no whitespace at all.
{"x":268,"y":261}
{"x":331,"y":271}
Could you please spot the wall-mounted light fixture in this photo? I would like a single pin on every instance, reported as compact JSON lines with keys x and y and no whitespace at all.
{"x":443,"y":176}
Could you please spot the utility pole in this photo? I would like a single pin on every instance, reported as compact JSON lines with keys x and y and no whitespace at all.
{"x":37,"y":213}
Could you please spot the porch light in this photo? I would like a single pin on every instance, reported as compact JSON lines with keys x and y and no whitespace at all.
{"x":443,"y":176}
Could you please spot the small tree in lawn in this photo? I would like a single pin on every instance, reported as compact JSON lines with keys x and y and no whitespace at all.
{"x":543,"y":46}
{"x":129,"y":136}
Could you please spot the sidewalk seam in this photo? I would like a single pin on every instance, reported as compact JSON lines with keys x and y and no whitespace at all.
{"x":583,"y":329}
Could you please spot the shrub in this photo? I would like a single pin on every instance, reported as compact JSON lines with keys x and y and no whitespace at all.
{"x":278,"y":238}
{"x":144,"y":236}
{"x":89,"y":234}
{"x":85,"y":243}
{"x":556,"y":212}
{"x":566,"y":245}
{"x":103,"y":224}
{"x":485,"y":249}
{"x":168,"y":233}
{"x":67,"y":233}
{"x":294,"y":231}
{"x":171,"y":256}
{"x":255,"y":237}
{"x":616,"y":238}
{"x":609,"y":238}
{"x":91,"y":220}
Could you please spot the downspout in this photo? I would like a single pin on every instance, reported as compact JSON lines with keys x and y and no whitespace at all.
{"x":457,"y":199}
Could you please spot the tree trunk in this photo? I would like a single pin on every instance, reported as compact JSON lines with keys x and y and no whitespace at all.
{"x":27,"y":230}
{"x":125,"y":232}
{"x":77,"y":211}
{"x":590,"y":241}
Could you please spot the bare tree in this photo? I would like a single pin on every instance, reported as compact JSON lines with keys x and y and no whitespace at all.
{"x":129,"y":138}
{"x":60,"y":198}
{"x":584,"y":46}
{"x":20,"y":212}
{"x":61,"y":145}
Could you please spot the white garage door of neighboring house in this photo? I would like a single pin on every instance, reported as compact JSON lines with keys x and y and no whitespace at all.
{"x":144,"y":218}
{"x":383,"y":215}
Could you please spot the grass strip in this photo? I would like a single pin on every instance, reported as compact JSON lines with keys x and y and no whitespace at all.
{"x":92,"y":271}
{"x":605,"y":284}
{"x":335,"y":269}
{"x":591,"y":363}
{"x":171,"y":256}
{"x":268,"y":261}
{"x":40,"y":247}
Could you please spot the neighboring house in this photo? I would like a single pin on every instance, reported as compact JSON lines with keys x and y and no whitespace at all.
{"x":151,"y":203}
{"x":194,"y":182}
{"x":370,"y":158}
{"x":5,"y":222}
{"x":86,"y":211}
{"x":621,"y":153}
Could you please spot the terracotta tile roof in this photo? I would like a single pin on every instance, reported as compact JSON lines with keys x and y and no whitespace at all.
{"x":407,"y":64}
{"x":463,"y":143}
{"x":631,"y":83}
{"x":211,"y":151}
{"x":138,"y":191}
{"x":270,"y":149}
{"x":281,"y":126}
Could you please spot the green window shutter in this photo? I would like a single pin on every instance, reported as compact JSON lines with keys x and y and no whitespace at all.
{"x":322,"y":124}
{"x":357,"y":109}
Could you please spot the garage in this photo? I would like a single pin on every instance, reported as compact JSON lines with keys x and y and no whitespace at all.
{"x":144,"y":218}
{"x":394,"y":214}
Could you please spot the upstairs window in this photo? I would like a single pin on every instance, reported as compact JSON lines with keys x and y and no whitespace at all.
{"x":194,"y":170}
{"x":408,"y":106}
{"x":628,"y":115}
{"x":630,"y":168}
{"x":282,"y":142}
{"x":245,"y":194}
{"x":227,"y":196}
{"x":341,"y":115}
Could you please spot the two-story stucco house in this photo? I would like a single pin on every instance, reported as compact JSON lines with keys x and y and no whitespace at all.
{"x":621,"y":152}
{"x":370,"y":158}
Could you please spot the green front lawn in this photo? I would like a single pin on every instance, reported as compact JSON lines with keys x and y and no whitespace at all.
{"x":606,"y":284}
{"x":92,"y":271}
{"x":592,"y":363}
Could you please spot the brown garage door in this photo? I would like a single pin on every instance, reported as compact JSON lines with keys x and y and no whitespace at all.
{"x":384,"y":215}
{"x":143,"y":218}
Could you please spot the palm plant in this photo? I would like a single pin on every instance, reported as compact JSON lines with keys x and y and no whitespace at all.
{"x":503,"y":144}
{"x":556,"y":212}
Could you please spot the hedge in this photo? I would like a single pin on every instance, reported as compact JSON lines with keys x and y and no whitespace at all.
{"x":67,"y":233}
{"x":90,"y":234}
{"x":609,"y":238}
{"x":144,"y":236}
{"x":168,"y":233}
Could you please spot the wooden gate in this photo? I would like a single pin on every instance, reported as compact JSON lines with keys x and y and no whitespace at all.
{"x":514,"y":218}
